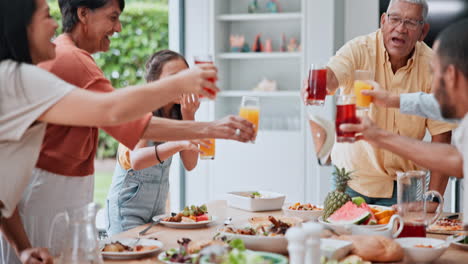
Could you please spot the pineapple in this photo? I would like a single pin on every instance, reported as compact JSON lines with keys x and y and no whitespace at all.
{"x":338,"y":197}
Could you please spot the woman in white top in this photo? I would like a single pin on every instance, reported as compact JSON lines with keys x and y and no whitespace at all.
{"x":29,"y":97}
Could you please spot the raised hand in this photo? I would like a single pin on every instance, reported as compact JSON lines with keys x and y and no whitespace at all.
{"x":381,"y":97}
{"x":189,"y":104}
{"x":370,"y":132}
{"x":191,"y":145}
{"x":232,"y":127}
{"x":36,"y":256}
{"x":198,"y":80}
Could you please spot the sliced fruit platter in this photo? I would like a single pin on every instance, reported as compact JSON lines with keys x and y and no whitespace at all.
{"x":342,"y":211}
{"x":190,"y":217}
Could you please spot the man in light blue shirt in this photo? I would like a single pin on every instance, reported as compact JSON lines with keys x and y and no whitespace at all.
{"x":450,"y":67}
{"x":420,"y":104}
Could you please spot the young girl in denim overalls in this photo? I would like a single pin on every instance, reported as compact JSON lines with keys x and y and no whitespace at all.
{"x":140,"y":184}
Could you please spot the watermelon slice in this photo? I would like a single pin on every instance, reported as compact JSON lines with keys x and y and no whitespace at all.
{"x":349,"y":213}
{"x":372,"y":220}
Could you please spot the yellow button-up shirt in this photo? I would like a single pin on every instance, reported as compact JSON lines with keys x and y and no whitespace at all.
{"x":375,"y":169}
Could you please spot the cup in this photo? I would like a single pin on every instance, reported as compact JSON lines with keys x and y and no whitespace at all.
{"x":317,"y":84}
{"x":345,"y":114}
{"x":412,"y":196}
{"x":204,"y":59}
{"x":250,"y":110}
{"x":208,"y":153}
{"x":360,"y":78}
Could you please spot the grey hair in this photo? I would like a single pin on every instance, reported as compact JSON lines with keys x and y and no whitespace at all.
{"x":423,"y":3}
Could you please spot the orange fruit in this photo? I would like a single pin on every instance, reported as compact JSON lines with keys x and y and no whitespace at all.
{"x":384,"y":220}
{"x":384,"y":214}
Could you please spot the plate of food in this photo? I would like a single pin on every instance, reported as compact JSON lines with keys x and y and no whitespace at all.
{"x":462,"y":244}
{"x":255,"y":201}
{"x":446,"y":226}
{"x":129,"y":248}
{"x":422,"y":249}
{"x":190,"y":217}
{"x":235,"y":252}
{"x":357,"y":217}
{"x":262,"y":233}
{"x":305,"y":211}
{"x":188,"y":251}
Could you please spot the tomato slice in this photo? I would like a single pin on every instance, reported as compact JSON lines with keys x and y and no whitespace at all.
{"x":203,"y":217}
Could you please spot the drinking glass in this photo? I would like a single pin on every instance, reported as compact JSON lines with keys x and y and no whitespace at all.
{"x":345,"y":114}
{"x":317,"y":85}
{"x":208,"y":153}
{"x":250,"y":110}
{"x":360,"y":78}
{"x":412,"y":195}
{"x":204,"y":59}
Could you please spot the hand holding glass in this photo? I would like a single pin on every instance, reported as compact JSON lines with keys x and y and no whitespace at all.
{"x":208,"y":153}
{"x":345,"y":114}
{"x":317,"y":90}
{"x":250,"y":110}
{"x":360,"y":78}
{"x":204,"y":59}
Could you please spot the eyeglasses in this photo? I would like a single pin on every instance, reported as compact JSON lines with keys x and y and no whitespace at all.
{"x":410,"y":24}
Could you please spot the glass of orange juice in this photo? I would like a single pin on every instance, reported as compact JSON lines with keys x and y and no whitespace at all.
{"x":250,"y":110}
{"x":208,"y":153}
{"x":360,"y":78}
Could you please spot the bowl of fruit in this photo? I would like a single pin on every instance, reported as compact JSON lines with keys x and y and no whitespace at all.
{"x":352,"y":215}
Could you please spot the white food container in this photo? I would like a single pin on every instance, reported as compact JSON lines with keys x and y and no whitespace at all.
{"x":305,"y":215}
{"x":268,"y":202}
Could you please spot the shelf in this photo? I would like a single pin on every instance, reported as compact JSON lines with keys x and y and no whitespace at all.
{"x":259,"y":55}
{"x":239,"y":93}
{"x":264,"y":17}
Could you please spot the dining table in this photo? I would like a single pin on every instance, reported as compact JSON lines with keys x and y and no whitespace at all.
{"x":219,"y":209}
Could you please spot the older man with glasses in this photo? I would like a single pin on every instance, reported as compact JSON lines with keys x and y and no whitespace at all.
{"x":400,"y":62}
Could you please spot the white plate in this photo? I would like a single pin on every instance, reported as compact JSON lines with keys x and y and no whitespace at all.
{"x":271,"y":257}
{"x":277,"y":244}
{"x":162,"y":257}
{"x":460,"y":245}
{"x":185,"y":224}
{"x":130,"y":241}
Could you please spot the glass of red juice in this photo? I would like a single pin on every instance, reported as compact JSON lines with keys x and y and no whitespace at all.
{"x":413,"y":197}
{"x":345,"y":114}
{"x":317,"y":84}
{"x":203,"y":59}
{"x":413,"y":229}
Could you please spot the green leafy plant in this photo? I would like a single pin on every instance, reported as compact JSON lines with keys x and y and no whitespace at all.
{"x":144,"y":31}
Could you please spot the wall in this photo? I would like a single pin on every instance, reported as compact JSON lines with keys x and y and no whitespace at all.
{"x":361,"y":17}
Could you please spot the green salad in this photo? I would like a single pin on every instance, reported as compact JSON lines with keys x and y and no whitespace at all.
{"x":237,"y":254}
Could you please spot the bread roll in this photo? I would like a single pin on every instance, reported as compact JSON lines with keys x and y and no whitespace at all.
{"x":375,"y":248}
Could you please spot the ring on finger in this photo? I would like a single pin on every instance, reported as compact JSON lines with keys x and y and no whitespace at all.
{"x":237,"y":133}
